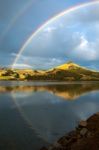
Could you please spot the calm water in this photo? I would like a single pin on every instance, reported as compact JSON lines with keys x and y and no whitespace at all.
{"x":35,"y":114}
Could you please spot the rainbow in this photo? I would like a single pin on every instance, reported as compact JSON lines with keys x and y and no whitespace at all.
{"x":71,"y":9}
{"x":15,"y":18}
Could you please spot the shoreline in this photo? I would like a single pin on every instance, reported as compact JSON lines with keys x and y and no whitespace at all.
{"x":52,"y":81}
{"x":84,"y":137}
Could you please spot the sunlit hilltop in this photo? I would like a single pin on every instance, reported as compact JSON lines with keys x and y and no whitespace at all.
{"x":65,"y":72}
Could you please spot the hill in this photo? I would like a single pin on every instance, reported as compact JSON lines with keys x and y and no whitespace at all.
{"x":71,"y":71}
{"x":65,"y":72}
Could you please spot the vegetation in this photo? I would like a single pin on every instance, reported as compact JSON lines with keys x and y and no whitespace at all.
{"x":66,"y":72}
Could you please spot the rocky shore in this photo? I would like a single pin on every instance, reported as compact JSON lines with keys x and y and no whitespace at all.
{"x":84,"y":137}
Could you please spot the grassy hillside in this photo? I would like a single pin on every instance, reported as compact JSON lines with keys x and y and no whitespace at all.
{"x":65,"y":72}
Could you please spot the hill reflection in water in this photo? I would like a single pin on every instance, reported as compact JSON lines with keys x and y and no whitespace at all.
{"x":67,"y":91}
{"x":48,"y":109}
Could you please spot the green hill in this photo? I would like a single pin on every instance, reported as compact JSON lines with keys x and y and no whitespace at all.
{"x":65,"y":72}
{"x":71,"y":71}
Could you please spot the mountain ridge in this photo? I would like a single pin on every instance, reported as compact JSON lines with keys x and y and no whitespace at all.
{"x":69,"y":71}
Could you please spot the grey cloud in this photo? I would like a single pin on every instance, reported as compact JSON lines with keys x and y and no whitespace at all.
{"x":38,"y":62}
{"x":76,"y":43}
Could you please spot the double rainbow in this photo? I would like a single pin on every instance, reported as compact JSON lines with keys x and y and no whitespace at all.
{"x":71,"y":9}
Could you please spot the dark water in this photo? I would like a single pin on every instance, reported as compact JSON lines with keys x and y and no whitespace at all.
{"x":35,"y":114}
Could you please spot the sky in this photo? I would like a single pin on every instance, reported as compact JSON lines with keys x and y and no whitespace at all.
{"x":73,"y":36}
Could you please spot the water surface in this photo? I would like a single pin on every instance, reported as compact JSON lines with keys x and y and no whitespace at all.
{"x":35,"y":114}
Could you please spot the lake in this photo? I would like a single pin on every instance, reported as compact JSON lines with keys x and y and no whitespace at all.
{"x":36,"y":114}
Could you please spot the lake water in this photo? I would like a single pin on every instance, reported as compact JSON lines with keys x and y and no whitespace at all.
{"x":36,"y":114}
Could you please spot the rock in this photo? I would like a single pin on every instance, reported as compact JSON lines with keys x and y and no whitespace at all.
{"x":89,"y":134}
{"x":72,"y":133}
{"x":97,"y":113}
{"x":57,"y":145}
{"x":83,"y":132}
{"x":43,"y":148}
{"x":63,"y":140}
{"x":55,"y":148}
{"x":86,"y":136}
{"x":83,"y":123}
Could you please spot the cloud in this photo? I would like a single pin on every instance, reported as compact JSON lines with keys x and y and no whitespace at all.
{"x":38,"y":62}
{"x":49,"y":29}
{"x":74,"y":36}
{"x":22,"y":66}
{"x":86,"y":50}
{"x":85,"y":15}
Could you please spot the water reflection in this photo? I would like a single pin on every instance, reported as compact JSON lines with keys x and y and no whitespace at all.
{"x":65,"y":91}
{"x":42,"y":106}
{"x":47,"y":108}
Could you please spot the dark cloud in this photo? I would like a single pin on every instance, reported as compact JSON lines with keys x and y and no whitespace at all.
{"x":68,"y":39}
{"x":18,"y":19}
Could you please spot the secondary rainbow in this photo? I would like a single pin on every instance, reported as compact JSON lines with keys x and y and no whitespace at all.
{"x":71,"y":9}
{"x":15,"y":18}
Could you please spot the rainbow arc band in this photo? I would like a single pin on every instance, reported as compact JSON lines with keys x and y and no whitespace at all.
{"x":71,"y":9}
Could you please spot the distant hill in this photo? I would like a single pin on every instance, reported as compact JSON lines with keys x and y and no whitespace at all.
{"x":68,"y":66}
{"x":71,"y":71}
{"x":65,"y":72}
